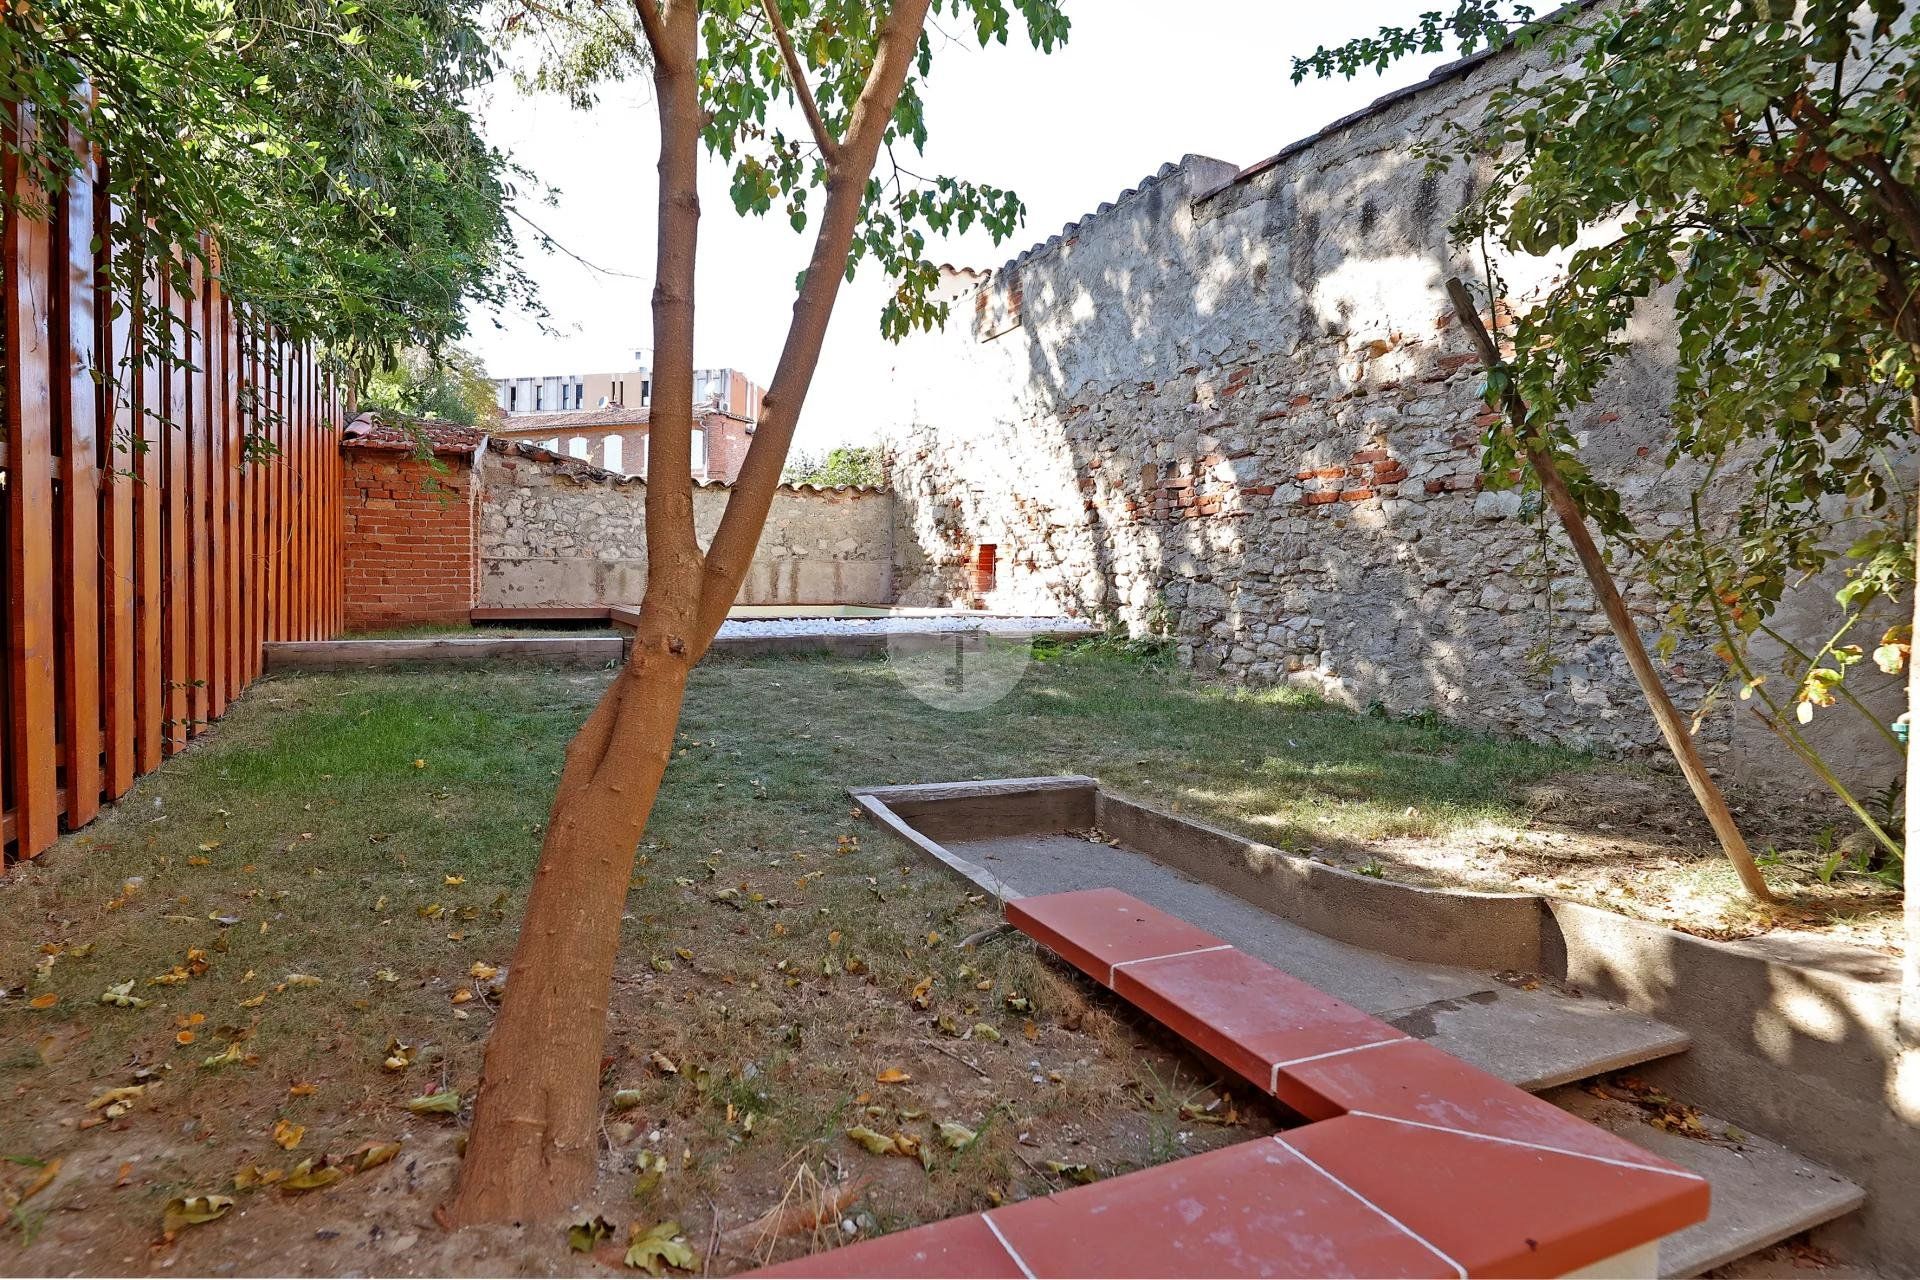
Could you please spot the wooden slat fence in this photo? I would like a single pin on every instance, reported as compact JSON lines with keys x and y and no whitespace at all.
{"x":164,"y":517}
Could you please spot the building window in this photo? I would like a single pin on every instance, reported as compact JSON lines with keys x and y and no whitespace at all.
{"x":614,"y":448}
{"x":577,"y":447}
{"x":513,"y":398}
{"x":699,"y":449}
{"x":646,"y":392}
{"x":619,"y":393}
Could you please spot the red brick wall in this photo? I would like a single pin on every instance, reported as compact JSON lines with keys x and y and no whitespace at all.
{"x":409,"y":553}
{"x":727,"y":442}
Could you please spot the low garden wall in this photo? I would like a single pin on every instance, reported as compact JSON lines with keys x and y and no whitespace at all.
{"x":554,"y":532}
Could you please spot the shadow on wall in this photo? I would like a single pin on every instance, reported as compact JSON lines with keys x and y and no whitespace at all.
{"x":1237,"y":406}
{"x":1809,"y":1056}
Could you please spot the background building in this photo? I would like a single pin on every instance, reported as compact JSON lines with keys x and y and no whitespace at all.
{"x":616,"y":439}
{"x":601,"y":418}
{"x":727,"y":390}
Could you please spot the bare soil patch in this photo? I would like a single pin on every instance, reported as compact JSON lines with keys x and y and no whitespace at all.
{"x":338,"y":869}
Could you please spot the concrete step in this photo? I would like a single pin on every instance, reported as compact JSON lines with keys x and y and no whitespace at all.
{"x":1524,"y":1032}
{"x":1762,"y":1192}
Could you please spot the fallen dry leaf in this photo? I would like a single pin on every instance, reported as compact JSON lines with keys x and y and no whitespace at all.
{"x":48,"y":1172}
{"x":659,"y":1247}
{"x":305,"y":1177}
{"x":373,"y":1154}
{"x":253,"y":1175}
{"x":588,"y":1232}
{"x":191,"y":1211}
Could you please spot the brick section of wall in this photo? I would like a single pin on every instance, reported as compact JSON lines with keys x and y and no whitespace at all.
{"x":409,"y":548}
{"x":727,"y":442}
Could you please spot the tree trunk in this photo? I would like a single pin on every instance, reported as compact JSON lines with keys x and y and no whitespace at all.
{"x":1909,"y":1016}
{"x":532,"y":1148}
{"x":1672,"y":727}
{"x":536,"y":1123}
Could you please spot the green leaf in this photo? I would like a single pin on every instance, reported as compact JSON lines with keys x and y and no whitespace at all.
{"x":659,"y":1248}
{"x":447,"y":1103}
{"x":583,"y":1235}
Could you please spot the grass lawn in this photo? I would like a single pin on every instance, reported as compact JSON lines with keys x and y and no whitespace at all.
{"x":313,"y":901}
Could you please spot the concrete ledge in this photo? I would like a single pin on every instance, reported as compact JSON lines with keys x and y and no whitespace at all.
{"x":869,"y":644}
{"x":342,"y":655}
{"x":1801,"y":1047}
{"x":1004,"y":804}
{"x":1793,"y":1038}
{"x":586,"y":651}
{"x":1437,"y":926}
{"x":557,"y":614}
{"x":1433,"y":926}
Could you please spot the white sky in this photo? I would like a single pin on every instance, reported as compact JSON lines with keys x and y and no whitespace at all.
{"x":1139,"y":83}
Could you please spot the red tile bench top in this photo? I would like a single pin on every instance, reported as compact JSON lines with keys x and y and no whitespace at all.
{"x":1413,"y":1163}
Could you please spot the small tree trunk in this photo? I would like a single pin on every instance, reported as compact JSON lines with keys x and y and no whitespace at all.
{"x":532,"y":1145}
{"x":1672,"y":727}
{"x":1909,"y":1019}
{"x":536,"y":1124}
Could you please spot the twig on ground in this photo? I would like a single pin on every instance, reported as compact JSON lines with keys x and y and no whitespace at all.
{"x":965,"y":1062}
{"x":975,"y":939}
{"x":713,"y":1238}
{"x":1038,"y":1172}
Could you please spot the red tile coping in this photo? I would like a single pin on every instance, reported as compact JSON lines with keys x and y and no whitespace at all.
{"x":1414,"y":1163}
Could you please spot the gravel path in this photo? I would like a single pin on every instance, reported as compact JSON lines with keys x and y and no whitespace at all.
{"x":742,"y":628}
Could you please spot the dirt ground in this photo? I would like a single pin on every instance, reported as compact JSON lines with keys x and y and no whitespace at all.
{"x":1089,"y":1093}
{"x":1634,"y":842}
{"x":317,"y":904}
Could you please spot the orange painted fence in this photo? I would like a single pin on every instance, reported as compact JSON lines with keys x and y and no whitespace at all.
{"x":163,"y":517}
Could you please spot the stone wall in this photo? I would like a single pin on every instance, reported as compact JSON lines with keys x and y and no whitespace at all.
{"x":556,"y":532}
{"x":1237,"y":406}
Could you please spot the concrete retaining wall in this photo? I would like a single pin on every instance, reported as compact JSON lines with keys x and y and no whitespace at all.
{"x":1795,"y":1040}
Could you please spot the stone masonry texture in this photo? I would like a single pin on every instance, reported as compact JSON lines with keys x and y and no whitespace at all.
{"x":559,"y":532}
{"x":1236,"y":407}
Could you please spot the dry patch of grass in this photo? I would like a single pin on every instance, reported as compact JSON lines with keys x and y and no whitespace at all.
{"x":339,"y":868}
{"x":311,"y":903}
